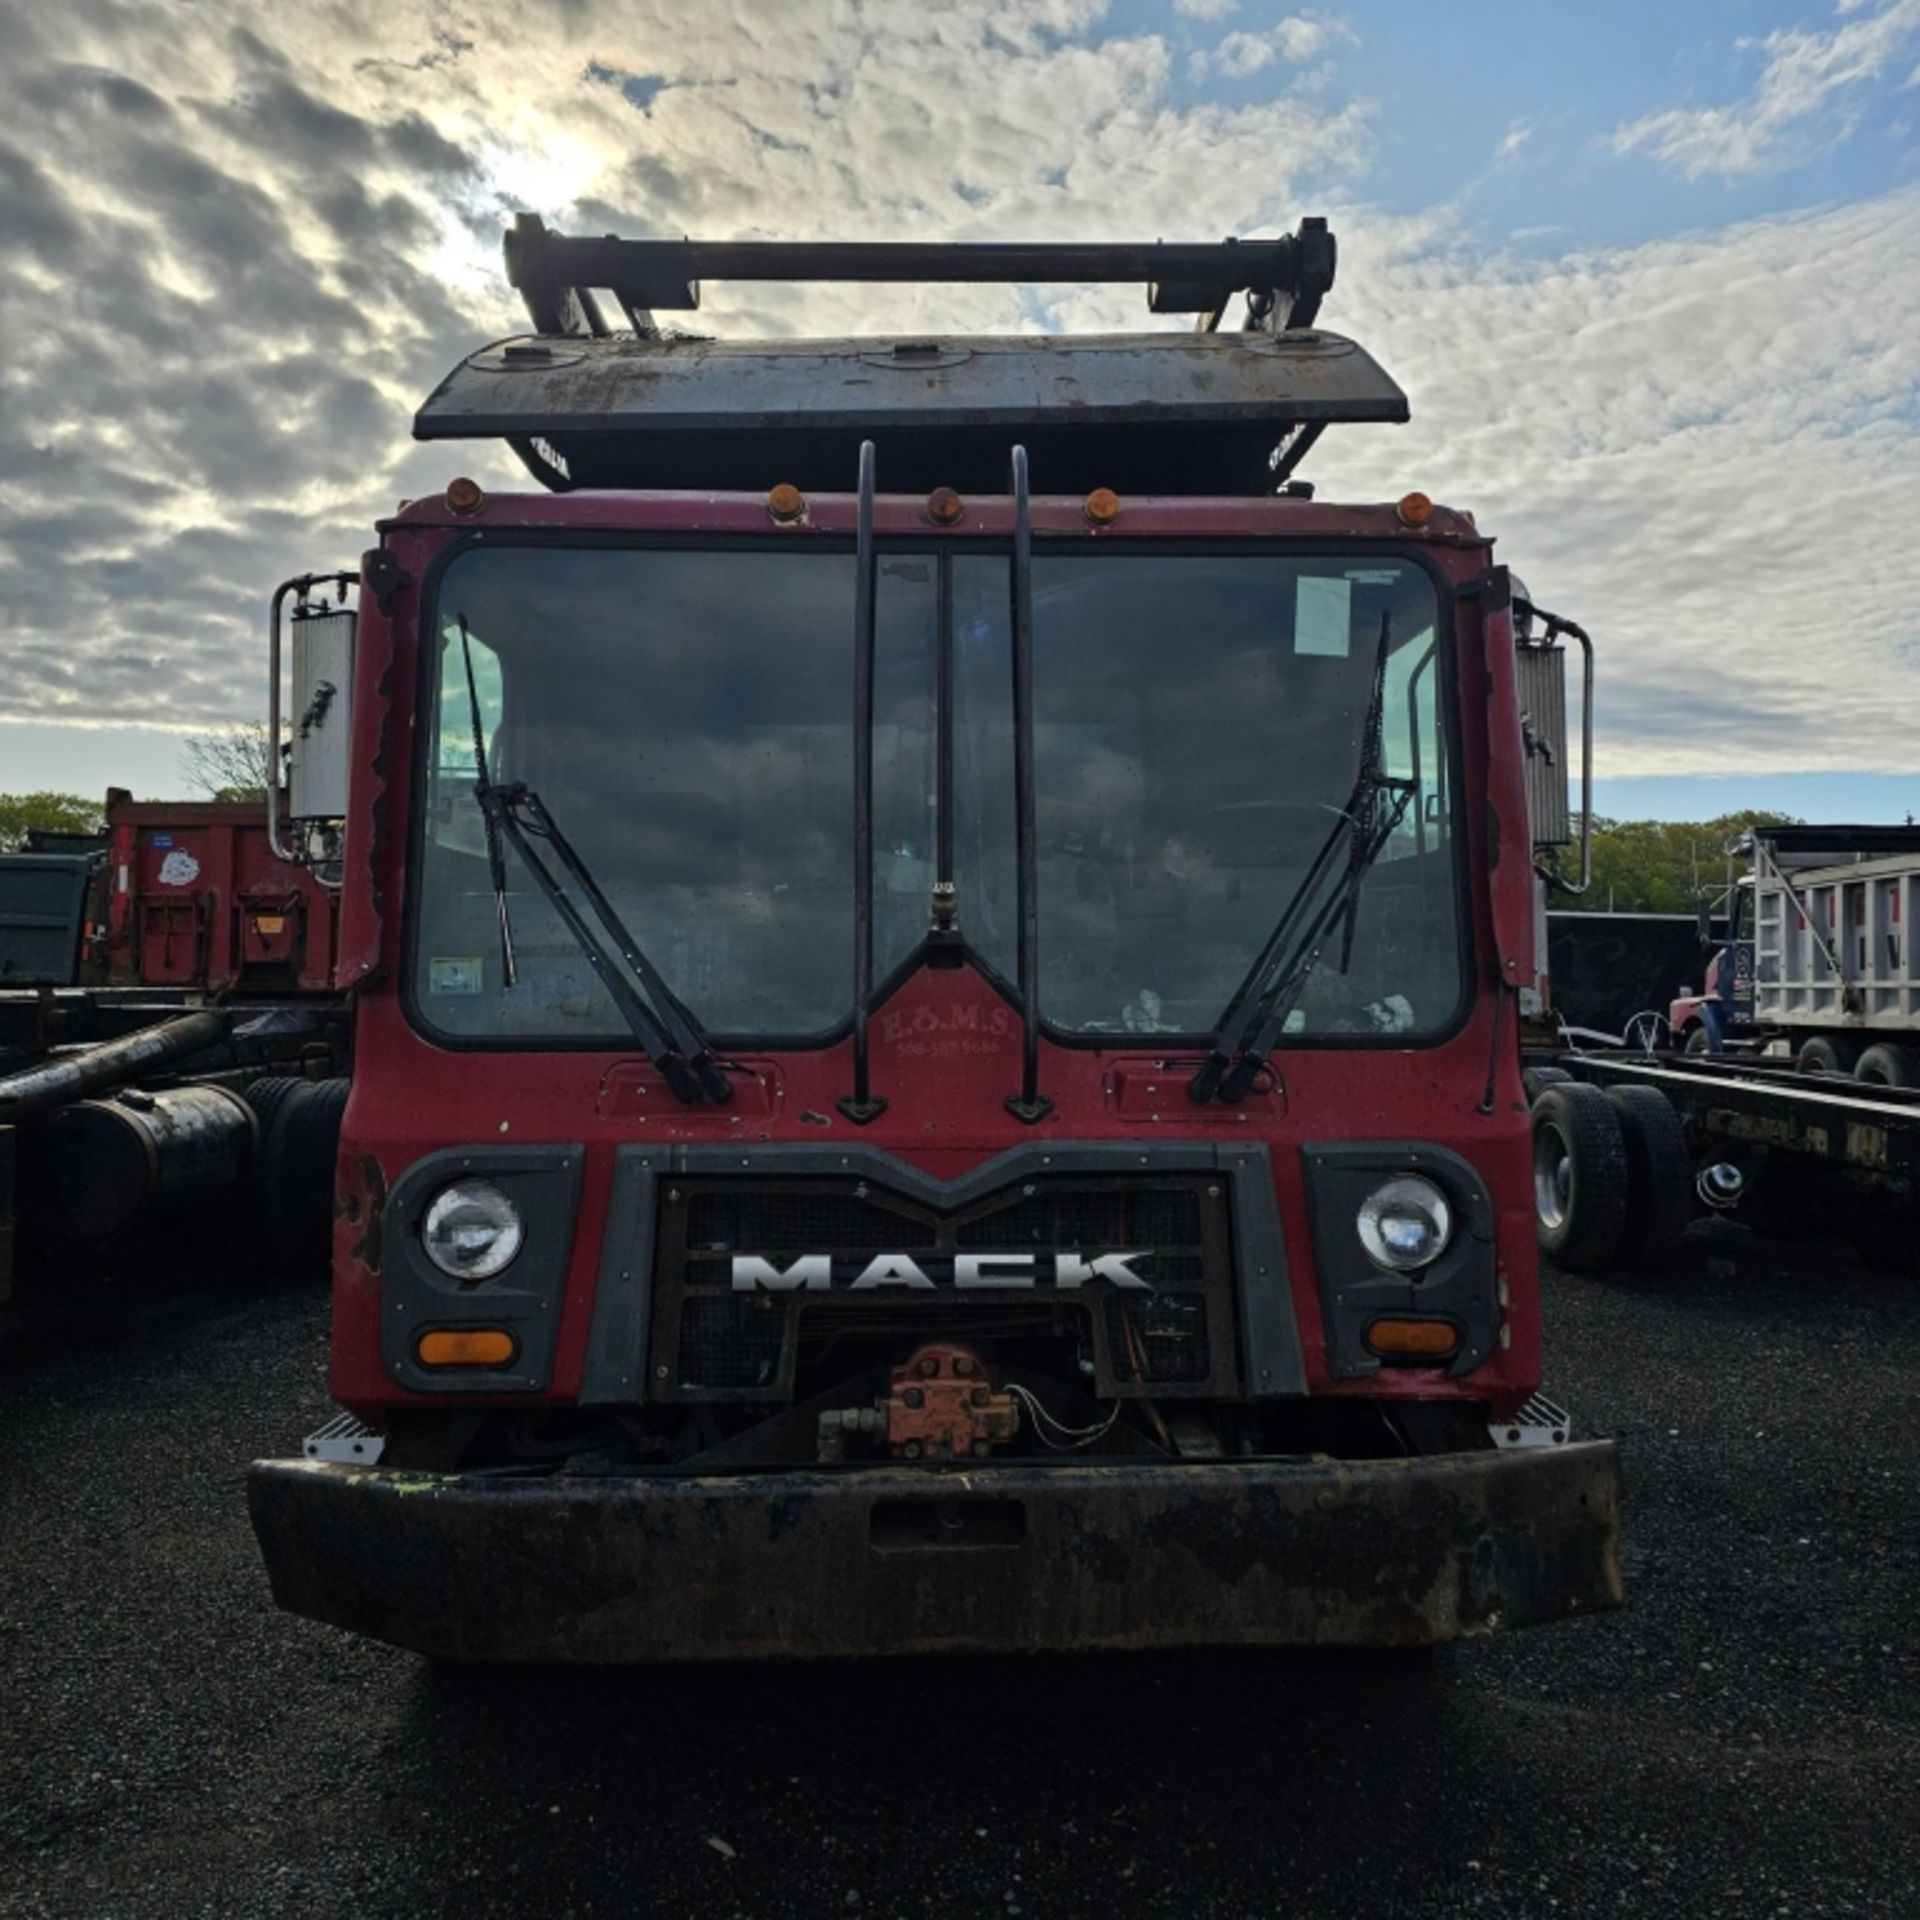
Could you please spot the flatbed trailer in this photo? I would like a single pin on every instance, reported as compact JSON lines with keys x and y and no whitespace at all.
{"x":1736,"y":1102}
{"x":1631,"y":1145}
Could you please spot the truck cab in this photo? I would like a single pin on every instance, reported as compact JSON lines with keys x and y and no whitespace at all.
{"x":938,"y":950}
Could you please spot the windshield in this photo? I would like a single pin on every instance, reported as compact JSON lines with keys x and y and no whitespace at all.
{"x":687,"y":719}
{"x":1198,"y":725}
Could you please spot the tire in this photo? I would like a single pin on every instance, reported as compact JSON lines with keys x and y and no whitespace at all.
{"x":1827,"y":1053}
{"x":1580,"y":1179}
{"x":1659,"y":1178}
{"x":1888,"y":1065}
{"x":1697,"y":1041}
{"x":1535,"y":1078}
{"x":293,"y":1176}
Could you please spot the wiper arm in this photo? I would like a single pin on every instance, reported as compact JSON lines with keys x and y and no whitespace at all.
{"x":671,"y":1036}
{"x":1257,"y":1017}
{"x":668,"y":1033}
{"x":482,"y":788}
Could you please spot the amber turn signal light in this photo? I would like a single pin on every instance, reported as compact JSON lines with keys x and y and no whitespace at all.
{"x":1414,"y":509}
{"x":944,"y":506}
{"x":464,"y":495}
{"x":1412,"y":1339}
{"x":786,"y":502}
{"x":469,"y":1347}
{"x":1102,"y":506}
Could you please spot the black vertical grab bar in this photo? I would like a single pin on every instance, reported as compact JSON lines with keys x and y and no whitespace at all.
{"x":860,"y":1106}
{"x":1028,"y":1104}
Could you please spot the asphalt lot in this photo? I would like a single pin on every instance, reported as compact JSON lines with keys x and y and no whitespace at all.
{"x":1743,"y":1740}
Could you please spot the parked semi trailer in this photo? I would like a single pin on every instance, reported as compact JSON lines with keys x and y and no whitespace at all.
{"x":937,"y":952}
{"x":173,"y":1047}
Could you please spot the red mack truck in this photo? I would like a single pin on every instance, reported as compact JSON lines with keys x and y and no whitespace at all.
{"x":938,"y":953}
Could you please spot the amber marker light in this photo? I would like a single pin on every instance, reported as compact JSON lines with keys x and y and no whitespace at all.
{"x":786,"y":502}
{"x":1414,"y":510}
{"x":944,"y":506}
{"x":464,"y":495}
{"x":1412,"y":1339}
{"x":469,"y":1347}
{"x":1102,"y":506}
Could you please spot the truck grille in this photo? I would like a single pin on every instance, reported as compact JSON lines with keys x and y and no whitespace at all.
{"x":711,"y":1342}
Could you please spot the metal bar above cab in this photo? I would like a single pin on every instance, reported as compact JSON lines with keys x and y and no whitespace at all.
{"x":665,"y":275}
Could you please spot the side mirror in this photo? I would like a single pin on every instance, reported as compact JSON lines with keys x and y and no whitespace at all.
{"x":1706,"y":924}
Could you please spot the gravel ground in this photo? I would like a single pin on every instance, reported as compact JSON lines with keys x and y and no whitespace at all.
{"x":1743,"y":1740}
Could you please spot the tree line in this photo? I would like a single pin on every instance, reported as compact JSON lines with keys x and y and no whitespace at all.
{"x":230,"y":763}
{"x":1665,"y":866}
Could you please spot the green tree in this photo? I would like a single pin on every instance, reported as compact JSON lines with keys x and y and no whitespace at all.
{"x":1666,"y":866}
{"x":51,"y":812}
{"x":230,"y":763}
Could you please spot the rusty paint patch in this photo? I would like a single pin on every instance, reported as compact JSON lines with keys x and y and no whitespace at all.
{"x":374,"y":1183}
{"x":1867,"y":1145}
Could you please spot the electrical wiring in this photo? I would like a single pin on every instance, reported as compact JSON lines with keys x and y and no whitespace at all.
{"x":1068,"y":1439}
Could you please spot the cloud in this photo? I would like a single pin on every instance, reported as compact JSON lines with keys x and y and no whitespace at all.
{"x":1806,"y":97}
{"x":1205,"y":9}
{"x":236,"y":255}
{"x":1695,"y":447}
{"x":1300,"y":36}
{"x":1511,"y":142}
{"x":235,"y":258}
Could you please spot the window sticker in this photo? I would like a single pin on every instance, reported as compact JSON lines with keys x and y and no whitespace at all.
{"x":457,"y":975}
{"x":1322,"y":616}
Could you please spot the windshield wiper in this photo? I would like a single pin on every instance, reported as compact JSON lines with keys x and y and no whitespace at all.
{"x":668,"y":1033}
{"x":483,"y":784}
{"x":1257,"y":1017}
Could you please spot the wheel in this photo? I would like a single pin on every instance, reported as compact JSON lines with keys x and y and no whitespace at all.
{"x":293,"y":1175}
{"x":1659,"y":1177}
{"x":1827,"y":1053}
{"x":1580,"y":1181}
{"x":1535,"y":1078}
{"x":1888,"y":1065}
{"x":1697,"y":1041}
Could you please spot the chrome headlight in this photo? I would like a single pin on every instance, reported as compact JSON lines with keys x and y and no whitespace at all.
{"x":472,"y":1230}
{"x":1405,"y":1224}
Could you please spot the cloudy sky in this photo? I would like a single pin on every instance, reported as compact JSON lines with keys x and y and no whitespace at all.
{"x":1651,"y":274}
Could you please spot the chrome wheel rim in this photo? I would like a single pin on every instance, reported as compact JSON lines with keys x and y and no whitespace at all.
{"x":1552,"y":1178}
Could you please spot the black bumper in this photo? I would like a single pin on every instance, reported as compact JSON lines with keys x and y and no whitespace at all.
{"x":911,"y":1560}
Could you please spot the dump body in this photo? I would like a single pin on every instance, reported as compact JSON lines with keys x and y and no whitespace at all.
{"x":43,"y":917}
{"x":196,"y":900}
{"x":1833,"y":942}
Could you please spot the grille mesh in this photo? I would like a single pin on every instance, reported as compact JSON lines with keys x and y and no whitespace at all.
{"x":710,"y":1342}
{"x":1114,"y":1217}
{"x":1159,"y":1338}
{"x":727,"y":1341}
{"x":768,"y":1220}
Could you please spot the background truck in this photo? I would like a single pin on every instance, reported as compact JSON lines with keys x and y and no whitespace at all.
{"x":1820,"y":961}
{"x":173,"y":1050}
{"x":1805,"y":1119}
{"x":934,"y":1068}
